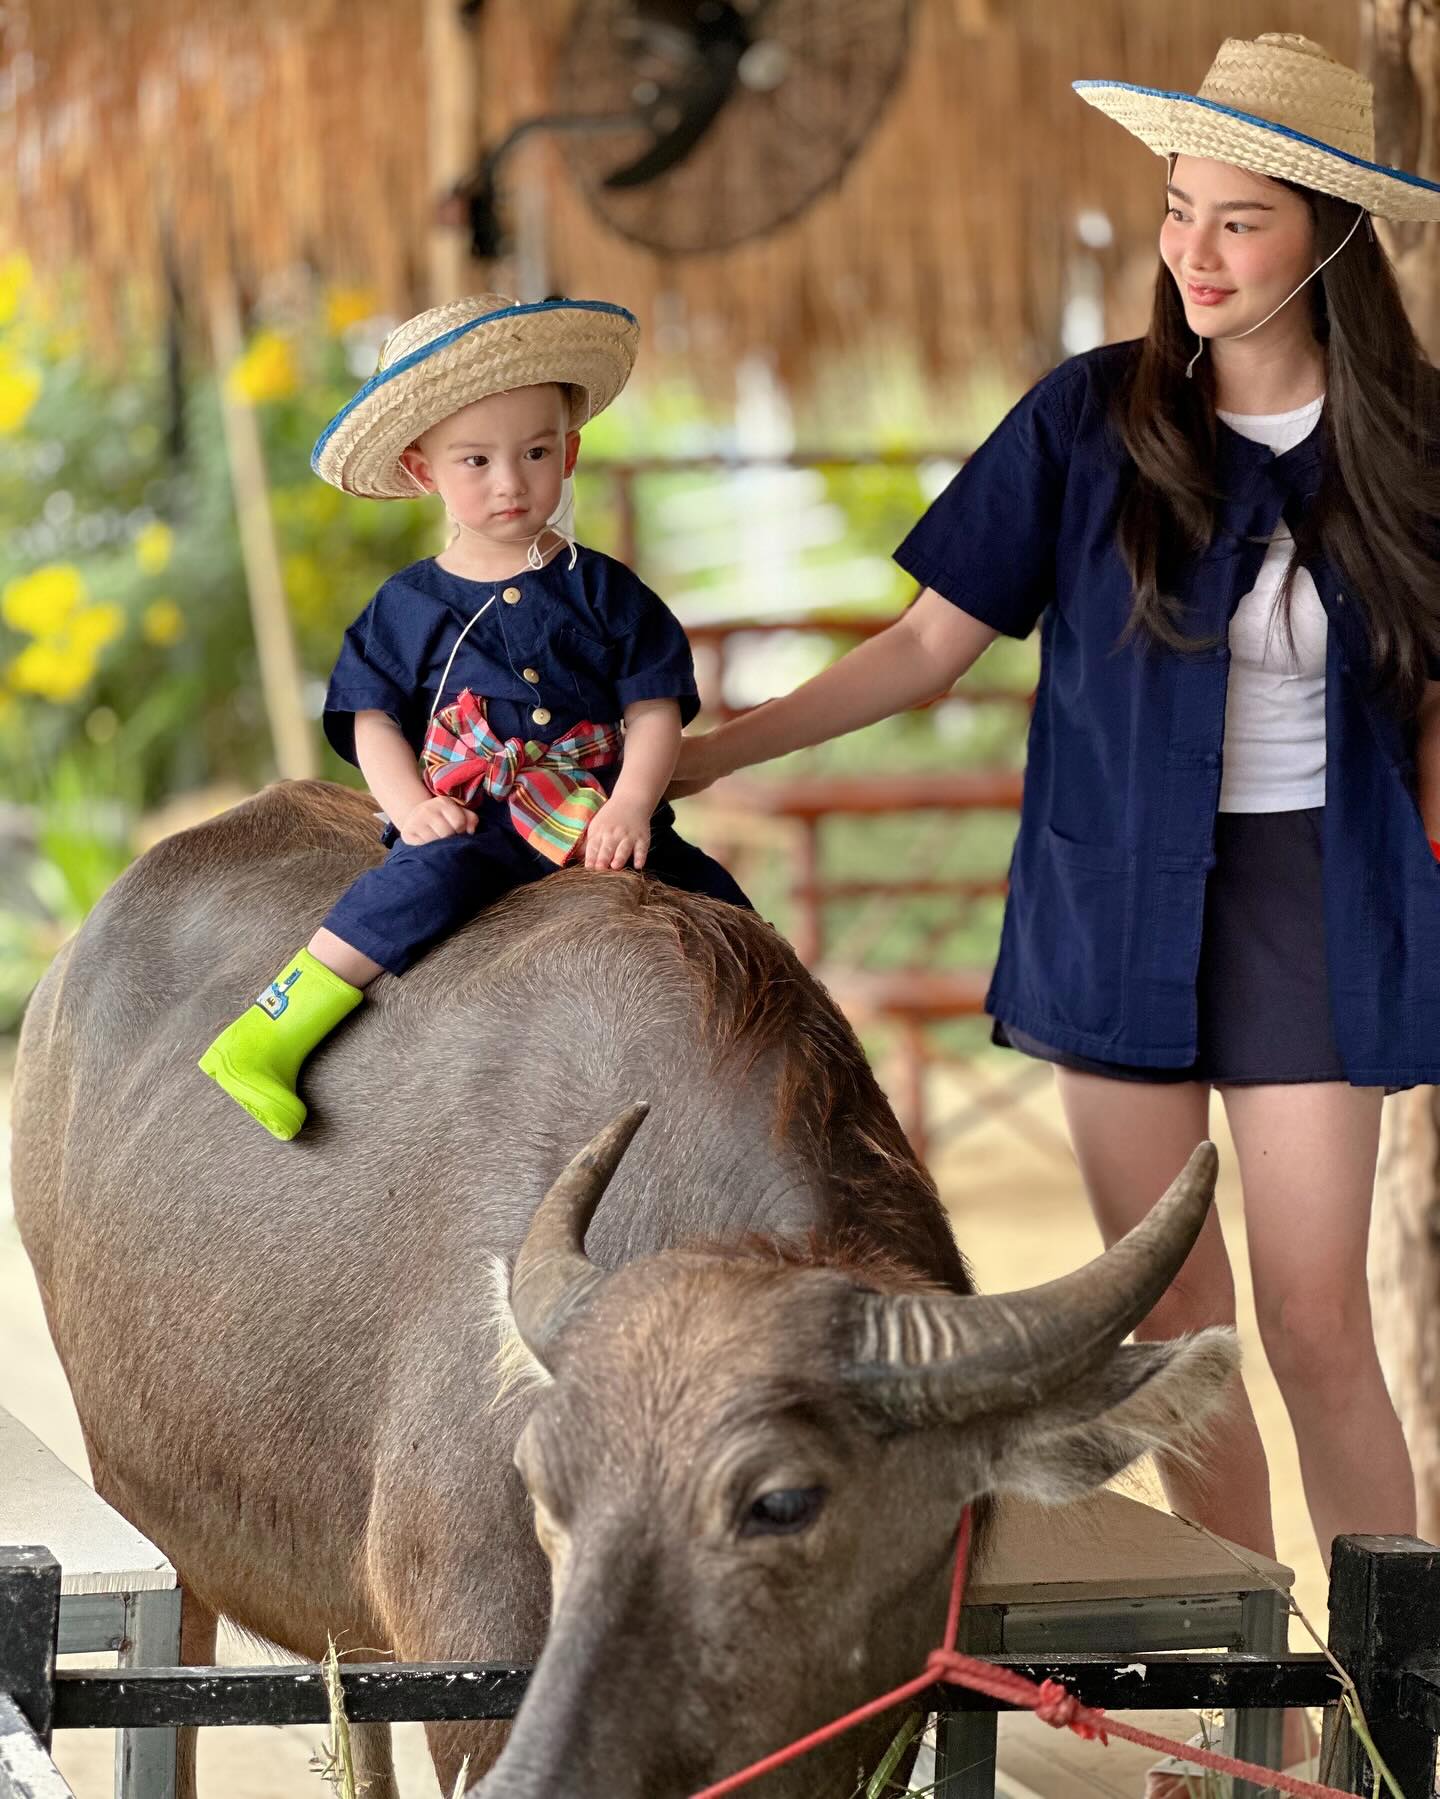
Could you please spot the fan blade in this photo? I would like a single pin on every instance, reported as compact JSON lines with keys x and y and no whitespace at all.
{"x":674,"y":146}
{"x":713,"y":51}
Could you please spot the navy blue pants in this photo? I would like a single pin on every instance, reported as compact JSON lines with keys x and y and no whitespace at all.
{"x":422,"y":892}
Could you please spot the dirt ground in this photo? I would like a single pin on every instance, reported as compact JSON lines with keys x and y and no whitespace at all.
{"x":1020,"y":1216}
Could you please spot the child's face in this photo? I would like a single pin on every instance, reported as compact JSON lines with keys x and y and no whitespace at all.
{"x":498,"y":463}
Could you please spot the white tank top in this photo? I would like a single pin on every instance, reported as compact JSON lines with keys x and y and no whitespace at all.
{"x":1274,"y":757}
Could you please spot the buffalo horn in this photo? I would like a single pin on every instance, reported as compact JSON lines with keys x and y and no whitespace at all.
{"x":554,"y":1278}
{"x":924,"y":1357}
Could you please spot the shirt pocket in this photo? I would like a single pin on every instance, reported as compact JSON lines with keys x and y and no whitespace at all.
{"x":584,"y":667}
{"x":1082,"y":913}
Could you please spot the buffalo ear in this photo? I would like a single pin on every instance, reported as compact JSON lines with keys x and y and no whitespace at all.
{"x":1149,"y":1396}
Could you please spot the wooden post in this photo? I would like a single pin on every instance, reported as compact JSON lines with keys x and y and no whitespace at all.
{"x":280,"y":681}
{"x":1384,"y":1600}
{"x":29,"y":1621}
{"x":451,"y":143}
{"x":26,"y":1770}
{"x":1405,"y":1282}
{"x":809,"y":932}
{"x":622,"y":478}
{"x":1403,"y":43}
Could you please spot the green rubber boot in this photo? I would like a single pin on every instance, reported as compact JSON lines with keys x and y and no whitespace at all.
{"x":257,"y":1058}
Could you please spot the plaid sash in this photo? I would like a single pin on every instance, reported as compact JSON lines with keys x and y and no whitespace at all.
{"x":552,"y":799}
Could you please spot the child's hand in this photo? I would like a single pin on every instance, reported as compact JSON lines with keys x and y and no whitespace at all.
{"x":435,"y":818}
{"x":618,"y":833}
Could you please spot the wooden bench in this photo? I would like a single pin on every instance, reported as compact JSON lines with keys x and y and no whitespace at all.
{"x":117,"y":1592}
{"x":1110,"y":1575}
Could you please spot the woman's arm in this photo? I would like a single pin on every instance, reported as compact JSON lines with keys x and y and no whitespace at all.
{"x":924,"y":653}
{"x":1427,"y":760}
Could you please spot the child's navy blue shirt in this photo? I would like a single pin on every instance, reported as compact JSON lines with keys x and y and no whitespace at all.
{"x":559,"y":646}
{"x":1101,"y":939}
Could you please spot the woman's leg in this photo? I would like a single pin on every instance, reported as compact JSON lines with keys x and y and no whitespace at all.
{"x":1307,"y":1162}
{"x":1131,"y":1139}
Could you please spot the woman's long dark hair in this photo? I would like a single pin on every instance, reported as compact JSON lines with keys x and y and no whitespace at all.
{"x":1377,"y":517}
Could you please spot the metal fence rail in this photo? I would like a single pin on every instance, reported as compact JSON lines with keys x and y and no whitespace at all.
{"x":1385,"y":1632}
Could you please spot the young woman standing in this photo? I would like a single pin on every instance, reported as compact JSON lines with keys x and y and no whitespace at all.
{"x":1228,"y":535}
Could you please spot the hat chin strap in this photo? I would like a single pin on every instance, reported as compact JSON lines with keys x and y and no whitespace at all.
{"x":561,"y":524}
{"x":1231,"y":336}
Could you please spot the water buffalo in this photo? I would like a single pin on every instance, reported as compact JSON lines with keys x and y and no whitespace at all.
{"x":747,"y":1401}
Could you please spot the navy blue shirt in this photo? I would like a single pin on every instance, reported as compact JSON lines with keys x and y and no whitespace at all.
{"x":558,"y":646}
{"x":1101,"y":939}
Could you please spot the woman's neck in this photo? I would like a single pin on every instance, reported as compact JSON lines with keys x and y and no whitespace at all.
{"x":1268,"y":374}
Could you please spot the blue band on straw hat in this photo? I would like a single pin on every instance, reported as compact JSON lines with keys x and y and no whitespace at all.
{"x":1279,"y":105}
{"x":425,"y":351}
{"x":1250,"y":118}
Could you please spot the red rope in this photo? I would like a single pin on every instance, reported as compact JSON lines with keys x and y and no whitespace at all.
{"x":1050,"y":1702}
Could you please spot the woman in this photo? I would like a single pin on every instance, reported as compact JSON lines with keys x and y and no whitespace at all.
{"x":1226,"y":532}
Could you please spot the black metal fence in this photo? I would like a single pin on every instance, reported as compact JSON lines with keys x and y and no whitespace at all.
{"x":1385,"y":1633}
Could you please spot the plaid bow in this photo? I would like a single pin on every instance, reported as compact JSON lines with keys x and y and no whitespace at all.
{"x":552,"y":799}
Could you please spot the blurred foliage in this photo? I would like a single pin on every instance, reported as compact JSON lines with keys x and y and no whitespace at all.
{"x":120,"y":570}
{"x":128,"y":671}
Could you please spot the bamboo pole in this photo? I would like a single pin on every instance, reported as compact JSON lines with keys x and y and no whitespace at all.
{"x":451,"y":138}
{"x":280,"y":680}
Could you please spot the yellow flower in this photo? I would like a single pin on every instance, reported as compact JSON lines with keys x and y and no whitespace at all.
{"x":163,"y":623}
{"x":14,"y":284}
{"x":347,"y":306}
{"x":154,"y":546}
{"x":20,"y":385}
{"x":42,"y":602}
{"x":51,"y":672}
{"x":267,"y":370}
{"x":93,"y":628}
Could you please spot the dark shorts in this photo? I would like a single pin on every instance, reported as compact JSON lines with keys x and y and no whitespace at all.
{"x":1262,"y":992}
{"x":423,"y":892}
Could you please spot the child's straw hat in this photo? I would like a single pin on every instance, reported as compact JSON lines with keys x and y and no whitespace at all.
{"x":1282,"y":106}
{"x":444,"y":359}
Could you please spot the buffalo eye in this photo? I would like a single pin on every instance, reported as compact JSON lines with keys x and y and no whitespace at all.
{"x":783,"y":1511}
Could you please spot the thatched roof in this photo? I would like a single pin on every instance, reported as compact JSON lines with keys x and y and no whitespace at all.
{"x":146,"y":135}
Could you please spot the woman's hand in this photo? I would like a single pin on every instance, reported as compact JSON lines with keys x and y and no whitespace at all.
{"x":437,"y":817}
{"x":698,"y":766}
{"x":619,"y":834}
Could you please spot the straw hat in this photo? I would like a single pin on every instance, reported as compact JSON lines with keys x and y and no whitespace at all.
{"x":444,"y":359}
{"x":1282,"y":106}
